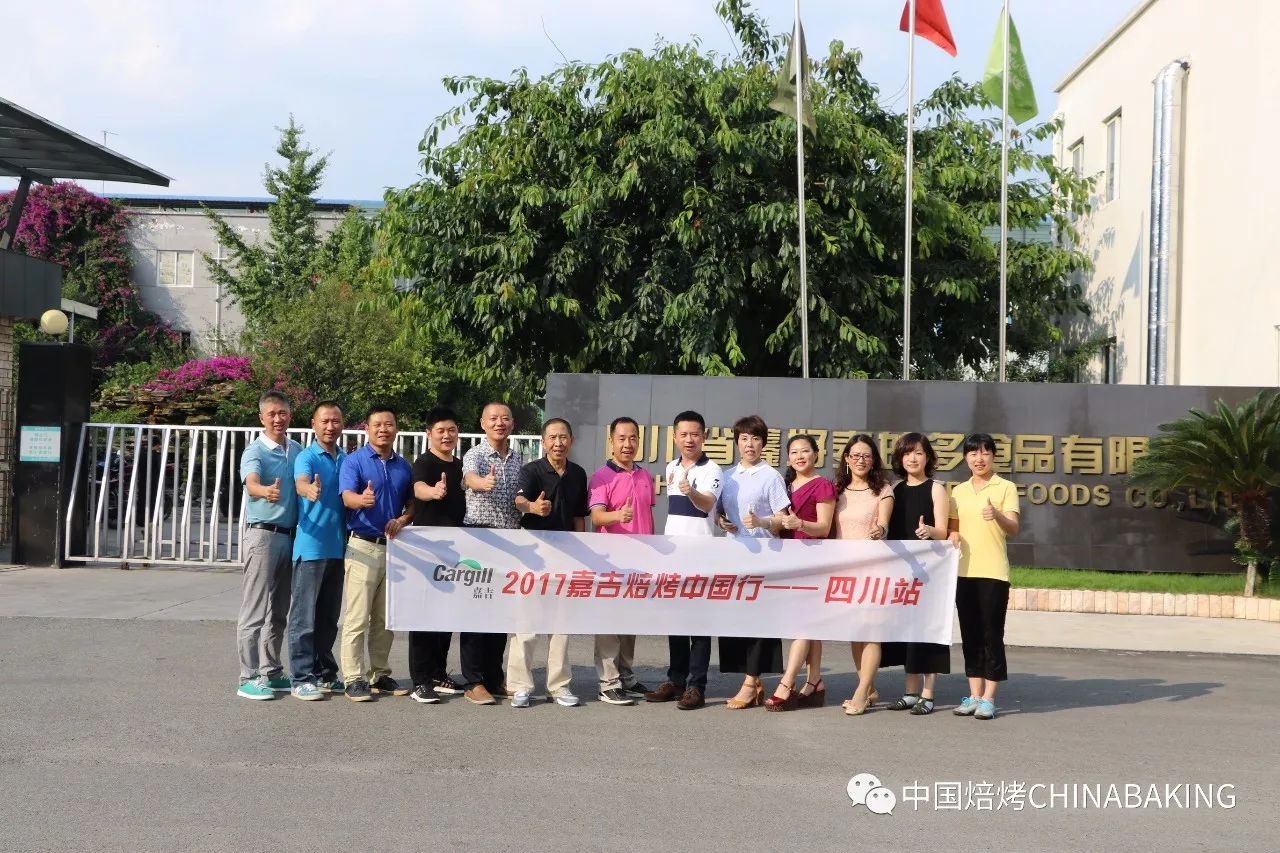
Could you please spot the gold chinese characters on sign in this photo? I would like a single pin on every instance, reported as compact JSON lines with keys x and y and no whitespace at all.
{"x":1028,"y":454}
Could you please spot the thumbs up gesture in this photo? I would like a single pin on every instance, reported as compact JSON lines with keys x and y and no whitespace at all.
{"x":685,"y":486}
{"x":311,"y":491}
{"x":439,"y":490}
{"x":751,"y":521}
{"x":922,"y":530}
{"x":489,"y":481}
{"x":790,"y":520}
{"x":875,"y":530}
{"x":541,"y":506}
{"x":273,"y":491}
{"x":988,"y":511}
{"x":627,"y":512}
{"x":368,"y":497}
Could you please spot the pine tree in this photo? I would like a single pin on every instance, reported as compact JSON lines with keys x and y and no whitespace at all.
{"x":263,"y":276}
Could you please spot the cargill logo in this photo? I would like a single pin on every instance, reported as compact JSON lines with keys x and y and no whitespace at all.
{"x":467,"y":573}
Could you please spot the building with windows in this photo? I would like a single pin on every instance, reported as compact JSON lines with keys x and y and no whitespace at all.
{"x":1168,"y":115}
{"x":171,"y":237}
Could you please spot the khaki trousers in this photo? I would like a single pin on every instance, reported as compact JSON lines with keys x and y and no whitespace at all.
{"x":520,"y":654}
{"x":614,"y":653}
{"x":364,"y":602}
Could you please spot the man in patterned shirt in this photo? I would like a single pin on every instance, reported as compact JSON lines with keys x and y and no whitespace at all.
{"x":491,"y":474}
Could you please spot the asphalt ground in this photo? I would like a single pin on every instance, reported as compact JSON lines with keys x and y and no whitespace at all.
{"x":127,"y":735}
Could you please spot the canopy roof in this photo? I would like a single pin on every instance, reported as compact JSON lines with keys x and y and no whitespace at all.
{"x":35,"y":148}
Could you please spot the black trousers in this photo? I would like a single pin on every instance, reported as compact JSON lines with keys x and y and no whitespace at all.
{"x":428,"y":651}
{"x":690,"y":660}
{"x":981,"y":604}
{"x":482,"y":659}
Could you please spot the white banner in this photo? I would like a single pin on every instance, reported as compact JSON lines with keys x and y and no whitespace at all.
{"x":521,"y":581}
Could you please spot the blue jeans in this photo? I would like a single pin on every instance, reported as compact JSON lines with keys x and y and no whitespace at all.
{"x":313,"y":620}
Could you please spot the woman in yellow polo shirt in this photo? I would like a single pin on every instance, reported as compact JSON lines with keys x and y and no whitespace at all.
{"x":984,"y":511}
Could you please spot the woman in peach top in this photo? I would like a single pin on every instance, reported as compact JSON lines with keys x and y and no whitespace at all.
{"x":864,"y":502}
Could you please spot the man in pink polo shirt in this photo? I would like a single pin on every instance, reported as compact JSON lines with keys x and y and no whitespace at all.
{"x":621,"y":497}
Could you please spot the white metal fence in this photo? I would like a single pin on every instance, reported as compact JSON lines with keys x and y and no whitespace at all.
{"x":171,"y":495}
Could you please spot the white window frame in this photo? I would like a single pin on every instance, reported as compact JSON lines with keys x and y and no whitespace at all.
{"x":1113,"y":128}
{"x":1075,"y":153}
{"x":178,"y":256}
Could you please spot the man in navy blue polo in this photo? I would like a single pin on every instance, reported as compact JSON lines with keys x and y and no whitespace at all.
{"x":318,"y":548}
{"x":375,"y":483}
{"x":266,"y":469}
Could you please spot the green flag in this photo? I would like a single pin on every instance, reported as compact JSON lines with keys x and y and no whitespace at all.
{"x":785,"y":99}
{"x":1022,"y":98}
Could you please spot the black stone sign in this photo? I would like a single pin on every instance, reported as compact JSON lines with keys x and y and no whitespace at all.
{"x":1068,"y":447}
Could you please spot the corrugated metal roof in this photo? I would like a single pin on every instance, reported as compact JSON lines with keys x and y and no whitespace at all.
{"x":36,"y":148}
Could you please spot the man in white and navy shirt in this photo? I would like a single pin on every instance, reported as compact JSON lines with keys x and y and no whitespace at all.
{"x":693,"y":488}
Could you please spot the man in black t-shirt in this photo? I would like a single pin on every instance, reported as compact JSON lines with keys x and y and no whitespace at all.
{"x":551,"y":495}
{"x":438,"y":501}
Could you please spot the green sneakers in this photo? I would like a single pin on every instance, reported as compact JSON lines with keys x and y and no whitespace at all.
{"x":255,"y":688}
{"x":280,"y":683}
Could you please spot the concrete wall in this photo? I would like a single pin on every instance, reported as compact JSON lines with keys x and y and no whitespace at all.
{"x":193,"y":307}
{"x":1227,"y":305}
{"x":1068,"y":447}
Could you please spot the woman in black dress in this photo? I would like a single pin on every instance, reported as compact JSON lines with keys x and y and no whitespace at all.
{"x":919,"y":512}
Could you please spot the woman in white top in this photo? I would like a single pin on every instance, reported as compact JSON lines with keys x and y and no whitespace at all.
{"x":751,"y":505}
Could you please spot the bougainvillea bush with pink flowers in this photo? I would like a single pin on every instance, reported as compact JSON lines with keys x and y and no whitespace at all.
{"x":89,"y":236}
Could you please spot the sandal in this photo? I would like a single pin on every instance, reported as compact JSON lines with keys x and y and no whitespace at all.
{"x":906,"y":702}
{"x":923,"y":707}
{"x":783,"y":703}
{"x":817,"y":698}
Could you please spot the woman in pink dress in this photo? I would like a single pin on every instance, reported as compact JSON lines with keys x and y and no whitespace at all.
{"x":813,"y":501}
{"x":863,"y":506}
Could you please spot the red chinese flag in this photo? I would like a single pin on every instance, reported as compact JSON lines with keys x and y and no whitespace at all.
{"x":931,"y":23}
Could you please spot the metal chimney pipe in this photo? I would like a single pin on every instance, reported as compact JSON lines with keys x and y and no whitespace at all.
{"x":1166,"y":215}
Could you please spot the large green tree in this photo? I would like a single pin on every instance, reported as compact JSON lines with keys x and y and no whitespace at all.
{"x":639,"y":215}
{"x":263,"y":276}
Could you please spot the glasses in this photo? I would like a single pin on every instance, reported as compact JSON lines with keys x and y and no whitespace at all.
{"x":860,"y":457}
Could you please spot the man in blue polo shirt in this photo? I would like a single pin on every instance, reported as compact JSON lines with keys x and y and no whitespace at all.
{"x":266,"y":469}
{"x":318,"y":547}
{"x":375,"y":483}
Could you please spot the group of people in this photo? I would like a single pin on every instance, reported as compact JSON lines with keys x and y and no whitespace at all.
{"x":319,"y":519}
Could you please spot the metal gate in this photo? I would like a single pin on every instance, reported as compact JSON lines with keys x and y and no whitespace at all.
{"x":171,"y":495}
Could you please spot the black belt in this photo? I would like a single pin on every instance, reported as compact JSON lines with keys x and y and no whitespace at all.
{"x":274,"y":528}
{"x":376,"y":540}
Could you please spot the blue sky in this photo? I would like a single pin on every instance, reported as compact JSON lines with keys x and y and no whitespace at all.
{"x":196,"y":90}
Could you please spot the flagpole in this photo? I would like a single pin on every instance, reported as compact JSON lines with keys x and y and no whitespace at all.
{"x":804,"y":272}
{"x":1004,"y":192}
{"x":910,"y":163}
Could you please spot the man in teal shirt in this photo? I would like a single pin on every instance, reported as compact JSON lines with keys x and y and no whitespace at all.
{"x":271,"y":512}
{"x":318,"y":547}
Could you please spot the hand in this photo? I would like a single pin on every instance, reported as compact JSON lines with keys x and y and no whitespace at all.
{"x":954,"y":538}
{"x":791,"y":521}
{"x":875,"y":531}
{"x":627,"y":513}
{"x":438,"y":491}
{"x":541,"y":506}
{"x":988,"y":511}
{"x":393,"y":527}
{"x":312,"y":490}
{"x":273,"y":491}
{"x":922,"y":530}
{"x":726,"y":525}
{"x":685,"y":486}
{"x":489,"y":481}
{"x":751,"y":521}
{"x":368,"y":497}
